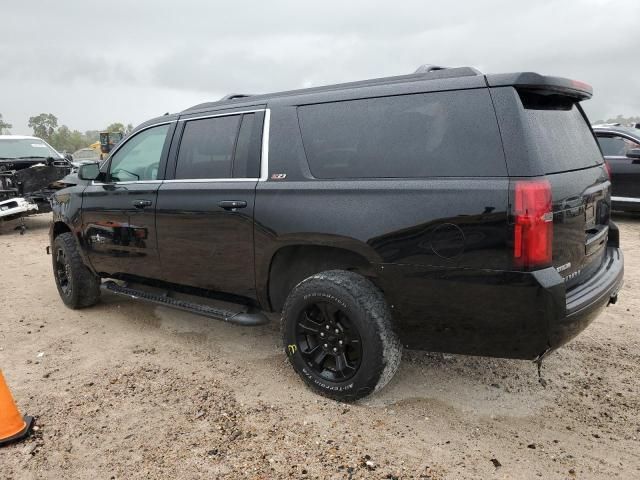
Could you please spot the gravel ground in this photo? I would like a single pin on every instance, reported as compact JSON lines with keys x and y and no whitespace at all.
{"x":130,"y":390}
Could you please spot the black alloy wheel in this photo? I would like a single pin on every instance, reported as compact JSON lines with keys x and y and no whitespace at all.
{"x":63,"y":272}
{"x":329,"y":342}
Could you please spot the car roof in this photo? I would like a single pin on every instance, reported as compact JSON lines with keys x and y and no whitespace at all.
{"x":456,"y":78}
{"x":18,"y":137}
{"x":425,"y":72}
{"x":634,"y":132}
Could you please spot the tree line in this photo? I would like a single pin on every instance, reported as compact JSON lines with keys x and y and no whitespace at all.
{"x":61,"y":137}
{"x":621,"y":120}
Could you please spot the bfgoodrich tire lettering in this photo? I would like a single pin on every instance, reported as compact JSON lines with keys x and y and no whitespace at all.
{"x":77,"y":285}
{"x":337,"y":332}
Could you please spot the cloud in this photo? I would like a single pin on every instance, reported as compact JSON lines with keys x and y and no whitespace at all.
{"x":91,"y":64}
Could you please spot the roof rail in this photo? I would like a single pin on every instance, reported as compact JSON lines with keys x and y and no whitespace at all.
{"x":427,"y":67}
{"x":448,"y":71}
{"x":233,"y":96}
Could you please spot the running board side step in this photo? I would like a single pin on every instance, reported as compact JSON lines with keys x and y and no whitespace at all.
{"x":246,"y":319}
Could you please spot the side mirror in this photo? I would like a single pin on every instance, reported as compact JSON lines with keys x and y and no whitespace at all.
{"x":89,"y":171}
{"x":634,"y":153}
{"x":69,"y":157}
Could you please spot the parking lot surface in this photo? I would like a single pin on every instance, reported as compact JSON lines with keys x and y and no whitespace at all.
{"x":131,"y":390}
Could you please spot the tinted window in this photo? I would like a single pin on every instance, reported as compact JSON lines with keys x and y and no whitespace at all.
{"x":559,"y":134}
{"x":246,"y":163}
{"x":139,"y":158}
{"x":616,"y":146}
{"x":206,"y":149}
{"x":432,"y":134}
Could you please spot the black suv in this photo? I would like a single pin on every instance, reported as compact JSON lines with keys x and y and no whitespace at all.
{"x":444,"y":210}
{"x":621,"y":149}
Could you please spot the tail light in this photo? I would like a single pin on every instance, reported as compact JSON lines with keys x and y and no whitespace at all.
{"x":533,"y":218}
{"x":607,"y":167}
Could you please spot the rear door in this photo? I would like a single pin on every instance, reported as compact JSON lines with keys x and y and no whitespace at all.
{"x":205,"y":210}
{"x":118,"y":215}
{"x":625,"y":171}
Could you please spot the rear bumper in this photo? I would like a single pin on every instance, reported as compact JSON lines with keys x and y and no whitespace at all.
{"x":495,"y":313}
{"x":584,"y":302}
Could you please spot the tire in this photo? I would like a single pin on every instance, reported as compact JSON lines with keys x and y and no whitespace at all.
{"x":77,"y":285}
{"x":337,"y":333}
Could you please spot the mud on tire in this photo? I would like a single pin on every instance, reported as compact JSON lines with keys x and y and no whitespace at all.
{"x":77,"y":285}
{"x":337,"y":332}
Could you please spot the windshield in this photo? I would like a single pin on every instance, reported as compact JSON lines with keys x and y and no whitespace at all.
{"x":25,"y":148}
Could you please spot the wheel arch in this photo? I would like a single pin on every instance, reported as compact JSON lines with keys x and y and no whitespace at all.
{"x":58,"y":228}
{"x":293,"y":263}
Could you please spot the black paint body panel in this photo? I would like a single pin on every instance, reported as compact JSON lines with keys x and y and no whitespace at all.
{"x":440,"y":249}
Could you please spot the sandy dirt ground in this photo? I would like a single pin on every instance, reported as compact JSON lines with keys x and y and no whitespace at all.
{"x":130,"y":390}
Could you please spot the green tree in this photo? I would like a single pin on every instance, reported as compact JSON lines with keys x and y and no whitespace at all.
{"x":116,"y":127}
{"x":621,"y":120}
{"x":4,"y":126}
{"x":65,"y":139}
{"x":43,"y":125}
{"x":92,"y":136}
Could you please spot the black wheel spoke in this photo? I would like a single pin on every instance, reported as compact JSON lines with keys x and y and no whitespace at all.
{"x":311,"y":350}
{"x":343,"y":365}
{"x":309,"y":325}
{"x":319,"y":358}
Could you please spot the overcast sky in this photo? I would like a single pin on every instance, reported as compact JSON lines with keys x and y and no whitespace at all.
{"x":94,"y":63}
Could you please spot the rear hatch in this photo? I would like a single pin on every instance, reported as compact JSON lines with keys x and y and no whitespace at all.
{"x":560,"y":140}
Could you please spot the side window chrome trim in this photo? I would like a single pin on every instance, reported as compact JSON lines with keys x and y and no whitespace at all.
{"x":225,"y":114}
{"x":264,"y":154}
{"x":121,"y":144}
{"x":93,"y":182}
{"x":208,"y":180}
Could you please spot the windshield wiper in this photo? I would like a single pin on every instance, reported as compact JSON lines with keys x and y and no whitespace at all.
{"x":29,"y":156}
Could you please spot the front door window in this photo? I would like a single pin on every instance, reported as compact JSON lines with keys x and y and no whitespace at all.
{"x":139,"y":158}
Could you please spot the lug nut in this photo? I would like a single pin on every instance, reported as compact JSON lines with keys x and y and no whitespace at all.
{"x":322,"y":334}
{"x":326,"y":346}
{"x":327,"y":327}
{"x":335,"y":349}
{"x":337,"y":331}
{"x":339,"y":342}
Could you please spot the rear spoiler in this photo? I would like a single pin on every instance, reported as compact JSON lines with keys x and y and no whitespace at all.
{"x":543,"y":84}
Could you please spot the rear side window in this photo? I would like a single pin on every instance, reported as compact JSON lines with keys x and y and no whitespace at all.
{"x":246,"y":163}
{"x":425,"y":135}
{"x":206,"y":148}
{"x":560,"y":136}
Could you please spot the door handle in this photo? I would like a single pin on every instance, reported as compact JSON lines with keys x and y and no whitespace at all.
{"x":232,"y":204}
{"x":142,"y":203}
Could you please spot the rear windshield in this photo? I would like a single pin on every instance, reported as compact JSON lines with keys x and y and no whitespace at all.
{"x":440,"y":134}
{"x":560,"y":136}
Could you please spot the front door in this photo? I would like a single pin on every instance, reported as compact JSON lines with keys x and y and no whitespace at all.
{"x":118,"y":214}
{"x":205,"y":212}
{"x":625,"y":171}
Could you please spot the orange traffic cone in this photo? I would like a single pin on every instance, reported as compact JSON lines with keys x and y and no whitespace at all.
{"x":13,"y":426}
